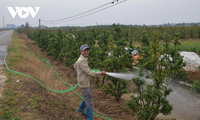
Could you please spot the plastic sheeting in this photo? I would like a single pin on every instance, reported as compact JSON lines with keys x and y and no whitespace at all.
{"x":192,"y":59}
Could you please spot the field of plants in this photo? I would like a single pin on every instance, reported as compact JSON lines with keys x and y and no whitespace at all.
{"x":153,"y":42}
{"x":62,"y":47}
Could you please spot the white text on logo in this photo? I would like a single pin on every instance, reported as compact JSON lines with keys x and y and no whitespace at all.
{"x":20,"y":10}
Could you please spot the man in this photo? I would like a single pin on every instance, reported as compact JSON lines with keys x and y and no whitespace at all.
{"x":83,"y":78}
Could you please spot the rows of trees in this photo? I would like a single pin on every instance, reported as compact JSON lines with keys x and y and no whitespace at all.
{"x":151,"y":101}
{"x":66,"y":47}
{"x":186,"y":32}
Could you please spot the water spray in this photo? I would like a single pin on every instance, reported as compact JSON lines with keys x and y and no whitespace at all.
{"x":125,"y":76}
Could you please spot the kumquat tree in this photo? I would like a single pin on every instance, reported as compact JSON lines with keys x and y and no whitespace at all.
{"x":151,"y":100}
{"x":111,"y":48}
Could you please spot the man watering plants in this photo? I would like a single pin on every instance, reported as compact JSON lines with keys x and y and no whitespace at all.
{"x":83,"y":78}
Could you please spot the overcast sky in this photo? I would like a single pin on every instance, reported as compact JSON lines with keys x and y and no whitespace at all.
{"x":133,"y":12}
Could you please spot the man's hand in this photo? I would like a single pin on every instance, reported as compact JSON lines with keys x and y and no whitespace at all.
{"x":103,"y":73}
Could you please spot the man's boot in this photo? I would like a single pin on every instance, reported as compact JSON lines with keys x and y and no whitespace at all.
{"x":89,"y":114}
{"x":82,"y":107}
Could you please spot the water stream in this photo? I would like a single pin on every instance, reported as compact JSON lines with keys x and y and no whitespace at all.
{"x":186,"y":106}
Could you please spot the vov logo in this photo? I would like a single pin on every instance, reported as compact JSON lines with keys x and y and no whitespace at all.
{"x":23,"y":12}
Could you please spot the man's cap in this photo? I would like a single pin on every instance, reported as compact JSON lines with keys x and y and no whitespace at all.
{"x":83,"y":47}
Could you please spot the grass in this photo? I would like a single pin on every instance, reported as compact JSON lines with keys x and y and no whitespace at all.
{"x":27,"y":98}
{"x":195,"y":87}
{"x":8,"y":106}
{"x":16,"y":118}
{"x":7,"y":114}
{"x":189,"y":45}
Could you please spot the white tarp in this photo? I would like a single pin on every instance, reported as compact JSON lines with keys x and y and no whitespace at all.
{"x":192,"y":59}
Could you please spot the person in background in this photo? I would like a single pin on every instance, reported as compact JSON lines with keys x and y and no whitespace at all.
{"x":83,"y":78}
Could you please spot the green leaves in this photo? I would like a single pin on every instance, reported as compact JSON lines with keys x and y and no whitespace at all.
{"x":144,"y":39}
{"x":163,"y":62}
{"x":116,"y":88}
{"x":54,"y":46}
{"x":118,"y":61}
{"x":195,"y":88}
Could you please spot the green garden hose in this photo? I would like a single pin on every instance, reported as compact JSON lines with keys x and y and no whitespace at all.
{"x":72,"y":88}
{"x":46,"y":60}
{"x":37,"y":80}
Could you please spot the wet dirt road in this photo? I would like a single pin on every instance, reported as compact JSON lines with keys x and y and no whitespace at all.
{"x":5,"y":38}
{"x":186,"y":106}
